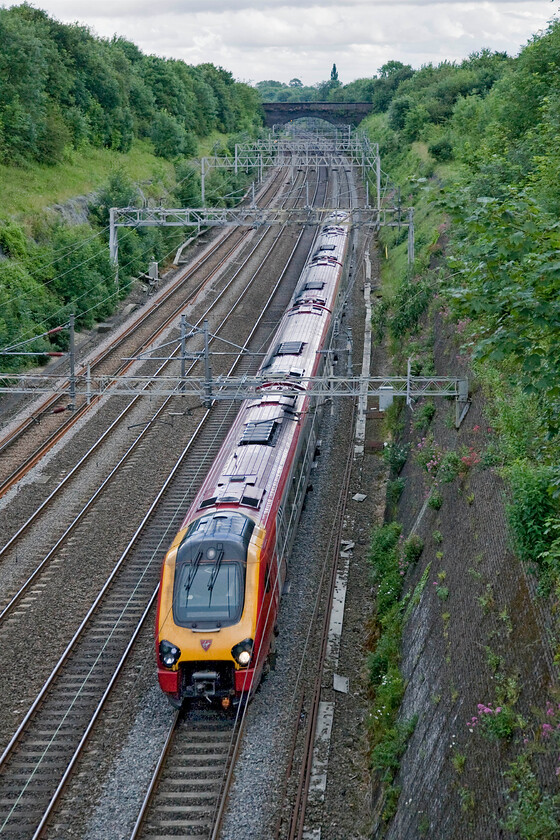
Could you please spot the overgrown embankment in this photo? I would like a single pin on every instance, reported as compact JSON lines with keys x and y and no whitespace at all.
{"x":465,"y":721}
{"x":95,"y":119}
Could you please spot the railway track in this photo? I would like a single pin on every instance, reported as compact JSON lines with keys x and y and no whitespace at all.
{"x":41,"y":755}
{"x":201,"y":749}
{"x":50,"y":422}
{"x":11,"y":603}
{"x":307,"y":708}
{"x":180,"y":803}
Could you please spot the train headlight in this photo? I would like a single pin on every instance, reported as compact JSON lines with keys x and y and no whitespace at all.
{"x":168,"y":654}
{"x":242,"y":652}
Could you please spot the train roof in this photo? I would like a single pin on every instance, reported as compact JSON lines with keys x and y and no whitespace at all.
{"x":249,"y":465}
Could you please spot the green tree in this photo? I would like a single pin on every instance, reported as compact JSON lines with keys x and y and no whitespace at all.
{"x":168,"y":136}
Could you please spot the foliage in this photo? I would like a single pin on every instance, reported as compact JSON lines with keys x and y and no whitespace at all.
{"x":424,"y":416}
{"x":395,"y":455}
{"x":441,"y":149}
{"x":435,"y":500}
{"x":168,"y":136}
{"x":387,"y":754}
{"x":389,"y":560}
{"x":394,"y":490}
{"x":62,"y":87}
{"x":188,"y":187}
{"x":411,"y":302}
{"x":412,"y":549}
{"x":529,"y":510}
{"x":531,"y":813}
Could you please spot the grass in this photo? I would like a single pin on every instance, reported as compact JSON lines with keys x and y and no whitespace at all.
{"x":27,"y":191}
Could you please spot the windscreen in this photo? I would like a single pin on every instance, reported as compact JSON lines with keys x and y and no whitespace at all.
{"x":206,"y":595}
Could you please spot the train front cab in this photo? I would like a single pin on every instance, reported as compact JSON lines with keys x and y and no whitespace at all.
{"x":215,"y":597}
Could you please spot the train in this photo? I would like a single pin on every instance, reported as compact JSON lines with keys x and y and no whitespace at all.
{"x":222,"y":577}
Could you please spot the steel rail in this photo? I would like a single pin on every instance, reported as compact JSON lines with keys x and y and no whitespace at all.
{"x":23,"y":589}
{"x":138,"y":531}
{"x":297,"y":816}
{"x":297,"y":820}
{"x":298,"y":812}
{"x":128,"y":550}
{"x":155,"y":776}
{"x":102,"y":357}
{"x":151,"y":380}
{"x":230,"y":759}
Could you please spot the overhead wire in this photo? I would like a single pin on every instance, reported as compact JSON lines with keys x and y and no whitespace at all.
{"x":62,"y":254}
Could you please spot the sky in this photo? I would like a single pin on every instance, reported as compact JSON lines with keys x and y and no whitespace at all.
{"x":269,"y":39}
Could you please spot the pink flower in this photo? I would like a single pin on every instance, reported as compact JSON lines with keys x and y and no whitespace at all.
{"x":546,"y":730}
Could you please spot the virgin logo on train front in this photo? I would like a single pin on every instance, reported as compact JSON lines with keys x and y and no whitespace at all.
{"x":206,"y":644}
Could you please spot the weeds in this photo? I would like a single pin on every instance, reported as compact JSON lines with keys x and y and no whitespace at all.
{"x":458,"y":762}
{"x":424,"y":416}
{"x":486,"y":600}
{"x":395,"y":455}
{"x":467,"y":798}
{"x":435,"y":500}
{"x":531,"y":813}
{"x":394,"y":491}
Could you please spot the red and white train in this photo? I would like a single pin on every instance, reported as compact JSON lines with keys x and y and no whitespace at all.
{"x":223,"y":575}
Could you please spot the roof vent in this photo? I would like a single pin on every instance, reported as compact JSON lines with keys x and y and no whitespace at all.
{"x":263,"y":433}
{"x":290,"y":348}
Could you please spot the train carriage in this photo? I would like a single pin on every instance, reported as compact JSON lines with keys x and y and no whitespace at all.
{"x":222,"y":577}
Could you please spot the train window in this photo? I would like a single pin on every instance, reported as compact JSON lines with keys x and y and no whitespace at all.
{"x":219,"y":525}
{"x":314,"y":284}
{"x":208,"y":502}
{"x":212,"y":595}
{"x":267,"y":586}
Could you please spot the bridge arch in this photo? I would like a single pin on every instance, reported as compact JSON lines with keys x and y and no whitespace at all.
{"x":337,"y":113}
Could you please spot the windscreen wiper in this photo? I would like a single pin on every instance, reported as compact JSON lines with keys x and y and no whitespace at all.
{"x":215,"y":570}
{"x":192,"y":572}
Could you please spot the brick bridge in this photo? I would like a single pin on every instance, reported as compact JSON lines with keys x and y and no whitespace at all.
{"x":338,"y":113}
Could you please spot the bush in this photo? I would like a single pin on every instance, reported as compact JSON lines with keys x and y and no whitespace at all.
{"x":168,"y":136}
{"x":412,"y":549}
{"x":450,"y":467}
{"x":395,"y":455}
{"x":435,"y":501}
{"x":529,"y":509}
{"x":532,"y":814}
{"x":411,"y":302}
{"x":424,"y":416}
{"x":441,"y":149}
{"x":386,"y":756}
{"x":394,"y":490}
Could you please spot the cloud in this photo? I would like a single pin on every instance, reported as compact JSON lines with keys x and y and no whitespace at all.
{"x":262,"y":39}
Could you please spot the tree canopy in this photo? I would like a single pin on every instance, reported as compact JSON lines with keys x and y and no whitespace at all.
{"x":62,"y":86}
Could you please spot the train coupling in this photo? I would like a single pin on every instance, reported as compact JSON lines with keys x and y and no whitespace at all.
{"x":204,"y":683}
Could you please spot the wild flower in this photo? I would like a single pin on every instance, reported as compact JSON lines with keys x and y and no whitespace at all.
{"x":471,"y":458}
